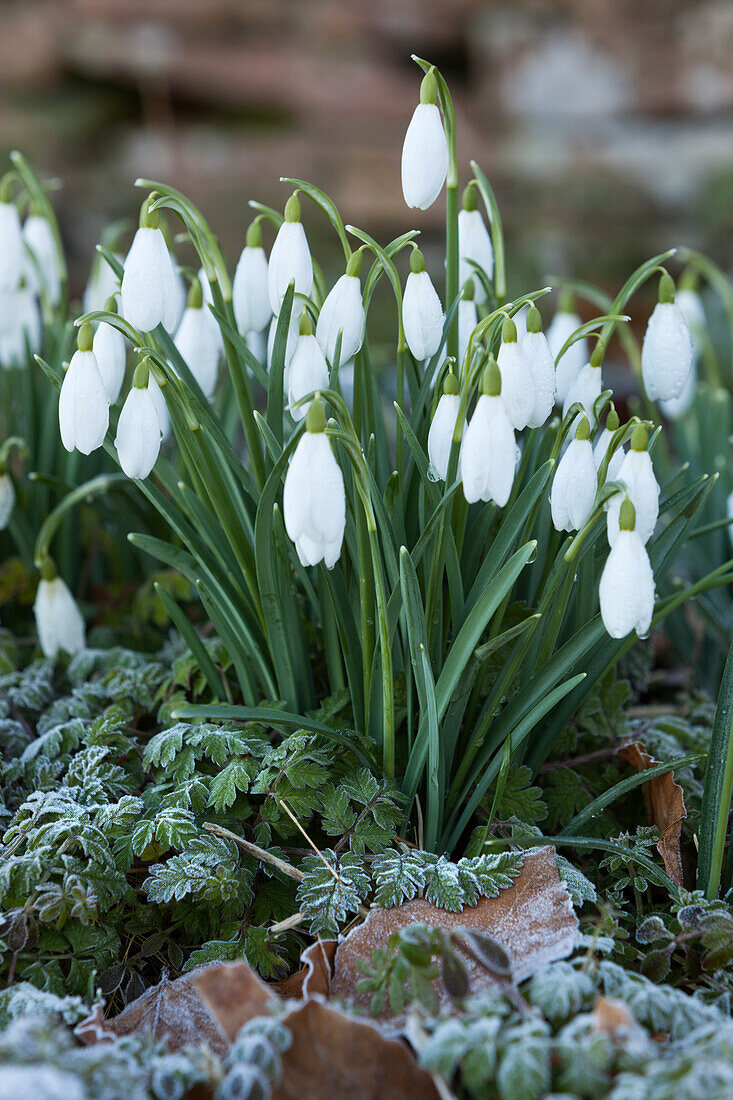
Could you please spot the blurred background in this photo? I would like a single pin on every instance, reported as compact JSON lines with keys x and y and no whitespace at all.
{"x":605,"y":126}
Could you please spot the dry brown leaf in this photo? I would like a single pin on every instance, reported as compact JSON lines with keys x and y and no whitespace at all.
{"x":233,"y":995}
{"x":613,"y":1017}
{"x":665,"y":805}
{"x":315,"y":975}
{"x":533,"y":920}
{"x":333,"y":1057}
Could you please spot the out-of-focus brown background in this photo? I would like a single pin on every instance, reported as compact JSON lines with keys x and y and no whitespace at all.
{"x":605,"y":126}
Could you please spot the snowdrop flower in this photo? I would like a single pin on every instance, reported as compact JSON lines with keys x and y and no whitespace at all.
{"x":343,"y":312}
{"x":565,"y":322}
{"x":58,"y":619}
{"x":574,"y":485}
{"x":488,"y":450}
{"x":138,"y":429}
{"x":198,"y":341}
{"x":516,"y":378}
{"x":586,"y":388}
{"x":691,"y":308}
{"x":83,"y":401}
{"x":12,"y":251}
{"x":442,"y":428}
{"x":467,"y":318}
{"x":290,"y":344}
{"x":666,"y":353}
{"x":538,"y":357}
{"x":43,"y":271}
{"x":176,"y":302}
{"x":110,"y":349}
{"x":20,"y":326}
{"x":474,"y":243}
{"x":257,"y":344}
{"x":627,"y":582}
{"x":314,"y":501}
{"x":308,"y":369}
{"x":637,"y":474}
{"x":102,"y":284}
{"x":7,"y":499}
{"x":161,"y":407}
{"x":250,"y":297}
{"x":676,"y":407}
{"x":290,"y":258}
{"x":422,"y":313}
{"x":425,"y":150}
{"x":604,"y":442}
{"x":149,"y":288}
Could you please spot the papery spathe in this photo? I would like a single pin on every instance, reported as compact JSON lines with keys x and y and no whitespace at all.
{"x":314,"y":500}
{"x":425,"y":150}
{"x":59,"y":621}
{"x":574,"y":484}
{"x":422,"y":313}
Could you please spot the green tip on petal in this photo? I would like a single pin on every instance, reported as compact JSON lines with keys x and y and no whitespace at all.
{"x":627,"y":516}
{"x":315,"y":420}
{"x":566,"y":303}
{"x":141,"y":377}
{"x":195,"y":294}
{"x":639,"y":438}
{"x":48,"y":569}
{"x":491,"y":379}
{"x":254,"y":234}
{"x":470,"y":199}
{"x":353,"y":267}
{"x":292,"y":208}
{"x":429,"y":88}
{"x":417,"y":262}
{"x":509,"y":332}
{"x":85,"y":337}
{"x":450,"y":385}
{"x":666,"y":288}
{"x":534,"y":320}
{"x":306,"y":328}
{"x":596,"y":358}
{"x":612,"y":420}
{"x":582,"y":432}
{"x":149,"y":219}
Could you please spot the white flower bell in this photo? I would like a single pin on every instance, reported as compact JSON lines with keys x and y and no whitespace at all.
{"x":308,"y":370}
{"x":627,"y":583}
{"x":422,"y":313}
{"x":138,"y":429}
{"x":102,"y":284}
{"x":666,"y":353}
{"x":586,"y":388}
{"x":425,"y":149}
{"x":637,"y":474}
{"x":12,"y":251}
{"x":7,"y":498}
{"x":467,"y":318}
{"x":290,"y":258}
{"x":83,"y":401}
{"x":474,"y":244}
{"x":516,"y":378}
{"x":110,"y":349}
{"x":600,"y":450}
{"x":574,"y":485}
{"x":692,"y":309}
{"x":343,"y":312}
{"x":442,"y":429}
{"x":563,"y":325}
{"x":59,"y":621}
{"x":149,"y":282}
{"x":488,"y":450}
{"x":538,"y":357}
{"x":314,"y":500}
{"x":250,"y":296}
{"x":20,"y":326}
{"x":198,"y":341}
{"x":42,"y":270}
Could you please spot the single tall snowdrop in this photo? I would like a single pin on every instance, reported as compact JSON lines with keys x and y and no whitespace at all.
{"x":603,"y":442}
{"x":693,"y":311}
{"x":83,"y":401}
{"x":637,"y":474}
{"x":12,"y":250}
{"x":343,"y":312}
{"x":666,"y":353}
{"x":442,"y":429}
{"x":587,"y":387}
{"x":198,"y":341}
{"x":110,"y":349}
{"x":138,"y":429}
{"x":290,"y":258}
{"x":567,"y":368}
{"x":7,"y":498}
{"x":488,"y":450}
{"x":516,"y":378}
{"x":59,"y":621}
{"x":308,"y":370}
{"x":627,"y":583}
{"x":474,"y":243}
{"x":422,"y":313}
{"x":250,"y":296}
{"x":314,"y":500}
{"x":42,"y":270}
{"x":538,"y":357}
{"x":425,"y":149}
{"x":149,"y":287}
{"x":574,"y":485}
{"x":467,"y":318}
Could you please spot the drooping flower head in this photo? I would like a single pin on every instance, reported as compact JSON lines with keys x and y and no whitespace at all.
{"x":343,"y":312}
{"x":83,"y":401}
{"x":250,"y":297}
{"x":627,"y":583}
{"x":667,"y":353}
{"x":563,"y":325}
{"x":604,"y":442}
{"x":422,"y":313}
{"x":474,"y":243}
{"x":58,"y":619}
{"x":42,"y":269}
{"x":110,"y":349}
{"x":12,"y":252}
{"x":637,"y":474}
{"x":587,"y":387}
{"x":425,"y":150}
{"x":488,"y":449}
{"x":149,"y":281}
{"x":574,"y":485}
{"x":7,"y":497}
{"x":467,"y":318}
{"x":516,"y":378}
{"x":308,"y":370}
{"x":198,"y":340}
{"x":290,"y":258}
{"x":314,"y":499}
{"x":138,"y":429}
{"x":539,"y":359}
{"x":442,"y":429}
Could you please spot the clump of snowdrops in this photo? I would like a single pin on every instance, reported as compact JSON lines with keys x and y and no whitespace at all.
{"x":464,"y":543}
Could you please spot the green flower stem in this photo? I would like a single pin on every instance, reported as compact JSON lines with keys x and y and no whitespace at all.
{"x":98,"y":486}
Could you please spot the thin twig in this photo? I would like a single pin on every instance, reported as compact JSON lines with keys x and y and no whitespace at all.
{"x":298,"y":826}
{"x":285,"y":925}
{"x":256,"y":851}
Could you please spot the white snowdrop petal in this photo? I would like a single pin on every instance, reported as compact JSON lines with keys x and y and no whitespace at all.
{"x":250,"y":296}
{"x":342,"y":311}
{"x":637,"y":474}
{"x":440,"y":435}
{"x":422,"y":315}
{"x":538,"y":357}
{"x":314,"y":501}
{"x":516,"y":384}
{"x":424,"y":157}
{"x":83,"y":405}
{"x":585,"y":388}
{"x":690,"y":306}
{"x":290,"y":344}
{"x":176,"y":302}
{"x":467,"y":321}
{"x":487,"y":457}
{"x":43,"y":274}
{"x":198,"y":340}
{"x":561,"y":328}
{"x":7,"y":499}
{"x":138,"y":433}
{"x":12,"y":252}
{"x":308,"y":372}
{"x":574,"y":487}
{"x":161,"y":408}
{"x":58,"y":619}
{"x":148,"y":281}
{"x":474,"y":244}
{"x":101,"y":285}
{"x":110,"y":349}
{"x":627,"y":588}
{"x":290,"y":259}
{"x":676,"y":407}
{"x":666,"y":353}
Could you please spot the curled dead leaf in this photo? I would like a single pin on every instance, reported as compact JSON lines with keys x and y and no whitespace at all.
{"x":314,"y":976}
{"x":233,"y":994}
{"x":665,"y":805}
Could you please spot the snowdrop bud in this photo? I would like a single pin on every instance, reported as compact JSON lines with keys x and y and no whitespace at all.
{"x":538,"y":357}
{"x":58,"y":619}
{"x":574,"y":485}
{"x":467,"y":318}
{"x":43,"y":267}
{"x":666,"y":353}
{"x":161,"y":407}
{"x":627,"y":583}
{"x":250,"y":297}
{"x":7,"y":499}
{"x":516,"y":379}
{"x":343,"y":312}
{"x":488,"y":449}
{"x":308,"y":369}
{"x":198,"y":341}
{"x":586,"y":388}
{"x":474,"y":243}
{"x":12,"y":252}
{"x":637,"y":474}
{"x":290,"y":258}
{"x":565,"y":322}
{"x":83,"y":401}
{"x":20,"y":326}
{"x":149,"y":279}
{"x":138,"y":429}
{"x":440,"y":436}
{"x":422,"y":313}
{"x":604,"y":442}
{"x":425,"y":151}
{"x":110,"y":349}
{"x":314,"y":501}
